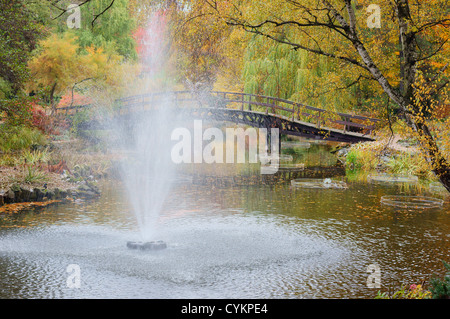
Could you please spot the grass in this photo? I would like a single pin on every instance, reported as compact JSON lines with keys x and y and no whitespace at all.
{"x":30,"y":175}
{"x":369,"y":156}
{"x":33,"y":176}
{"x":362,"y":156}
{"x":36,"y":156}
{"x":10,"y":160}
{"x":403,"y":164}
{"x":19,"y":138}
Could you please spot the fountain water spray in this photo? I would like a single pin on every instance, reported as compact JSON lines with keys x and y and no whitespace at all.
{"x":148,"y":171}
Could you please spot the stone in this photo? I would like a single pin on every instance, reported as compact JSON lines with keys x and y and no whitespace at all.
{"x":38,"y":194}
{"x":10,"y":196}
{"x":342,"y":152}
{"x":24,"y":195}
{"x":49,"y":194}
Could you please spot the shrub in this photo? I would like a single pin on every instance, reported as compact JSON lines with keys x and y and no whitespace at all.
{"x":16,"y":111}
{"x":78,"y":119}
{"x":46,"y":123}
{"x":440,"y":288}
{"x":411,"y":292}
{"x":15,"y":138}
{"x":362,"y":156}
{"x":34,"y":176}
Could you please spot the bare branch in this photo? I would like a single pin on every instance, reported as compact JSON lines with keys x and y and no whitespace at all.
{"x":63,"y":11}
{"x":434,"y":53}
{"x":98,"y":15}
{"x":439,"y":73}
{"x":75,"y":84}
{"x":444,"y":23}
{"x":360,"y":77}
{"x":296,"y":46}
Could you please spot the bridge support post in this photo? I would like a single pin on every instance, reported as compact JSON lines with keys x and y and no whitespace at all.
{"x":269,"y":141}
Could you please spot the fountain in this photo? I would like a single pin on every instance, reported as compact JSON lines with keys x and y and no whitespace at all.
{"x":148,"y":170}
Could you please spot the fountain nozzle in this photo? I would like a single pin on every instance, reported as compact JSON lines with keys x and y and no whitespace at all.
{"x":151,"y":245}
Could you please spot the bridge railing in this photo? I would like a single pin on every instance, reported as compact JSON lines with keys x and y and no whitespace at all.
{"x":300,"y":111}
{"x":246,"y":102}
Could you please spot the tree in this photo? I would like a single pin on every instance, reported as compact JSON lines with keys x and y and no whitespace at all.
{"x":55,"y":66}
{"x":19,"y":33}
{"x":20,"y":29}
{"x":59,"y":65}
{"x":413,"y":40}
{"x":113,"y":28}
{"x":103,"y":23}
{"x":199,"y":37}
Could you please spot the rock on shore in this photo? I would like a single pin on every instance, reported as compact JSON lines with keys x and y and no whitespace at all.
{"x":22,"y":193}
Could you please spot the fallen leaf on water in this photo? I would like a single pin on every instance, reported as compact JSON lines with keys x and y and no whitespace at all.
{"x":18,"y":207}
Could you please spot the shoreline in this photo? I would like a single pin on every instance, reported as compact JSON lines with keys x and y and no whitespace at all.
{"x":80,"y":183}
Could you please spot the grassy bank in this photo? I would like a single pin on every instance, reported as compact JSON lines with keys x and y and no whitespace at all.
{"x":397,"y":157}
{"x":38,"y":167}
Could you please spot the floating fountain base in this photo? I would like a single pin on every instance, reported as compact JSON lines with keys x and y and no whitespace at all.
{"x":412,"y":202}
{"x":295,"y":144}
{"x":326,"y":183}
{"x":150,"y":245}
{"x":392,"y":178}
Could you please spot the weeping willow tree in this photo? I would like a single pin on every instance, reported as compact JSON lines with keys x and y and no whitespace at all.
{"x":112,"y":30}
{"x":275,"y":69}
{"x":270,"y":69}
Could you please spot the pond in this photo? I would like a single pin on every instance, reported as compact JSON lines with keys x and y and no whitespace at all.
{"x":256,"y":241}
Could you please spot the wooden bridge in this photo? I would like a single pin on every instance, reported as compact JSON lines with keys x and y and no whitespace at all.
{"x":291,"y":118}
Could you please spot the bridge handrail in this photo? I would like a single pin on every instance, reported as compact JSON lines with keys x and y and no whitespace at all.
{"x":196,"y":96}
{"x":308,"y":107}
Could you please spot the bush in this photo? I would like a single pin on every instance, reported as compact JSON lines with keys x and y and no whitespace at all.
{"x":16,"y":111}
{"x":405,"y":163}
{"x":16,"y":138}
{"x":411,"y":292}
{"x":440,"y":288}
{"x":79,"y":119}
{"x":47,"y":124}
{"x":362,"y":156}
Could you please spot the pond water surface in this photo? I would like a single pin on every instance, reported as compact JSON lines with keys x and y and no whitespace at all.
{"x":258,"y":241}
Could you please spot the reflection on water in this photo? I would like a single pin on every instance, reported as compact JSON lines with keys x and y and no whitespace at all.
{"x":258,"y":241}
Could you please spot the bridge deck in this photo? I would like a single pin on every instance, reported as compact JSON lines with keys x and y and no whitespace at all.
{"x":246,"y":108}
{"x":328,"y":129}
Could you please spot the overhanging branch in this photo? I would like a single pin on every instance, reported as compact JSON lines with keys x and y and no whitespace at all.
{"x":255,"y":29}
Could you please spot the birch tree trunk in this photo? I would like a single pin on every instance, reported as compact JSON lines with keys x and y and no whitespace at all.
{"x":405,"y":100}
{"x":322,"y":14}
